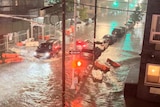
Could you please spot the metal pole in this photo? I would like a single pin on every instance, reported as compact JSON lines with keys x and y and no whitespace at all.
{"x":95,"y":24}
{"x":74,"y":41}
{"x":75,"y":22}
{"x":63,"y":51}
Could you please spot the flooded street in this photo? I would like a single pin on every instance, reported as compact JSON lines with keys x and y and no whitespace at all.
{"x":29,"y":85}
{"x":38,"y":83}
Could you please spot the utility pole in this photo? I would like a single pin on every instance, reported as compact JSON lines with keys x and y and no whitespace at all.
{"x":63,"y":51}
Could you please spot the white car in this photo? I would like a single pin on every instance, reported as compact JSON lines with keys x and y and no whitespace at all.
{"x":79,"y":24}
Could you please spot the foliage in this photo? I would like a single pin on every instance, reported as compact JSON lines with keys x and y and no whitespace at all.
{"x":83,"y":13}
{"x":70,"y":5}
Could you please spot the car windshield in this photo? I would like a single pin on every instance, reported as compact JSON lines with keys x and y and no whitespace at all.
{"x":44,"y":45}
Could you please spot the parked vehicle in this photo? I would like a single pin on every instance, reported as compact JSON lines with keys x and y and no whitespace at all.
{"x":88,"y":21}
{"x":84,"y":44}
{"x":48,"y":49}
{"x":130,"y":25}
{"x":87,"y":54}
{"x":118,"y":32}
{"x":79,"y":24}
{"x":91,"y":54}
{"x":124,"y":29}
{"x":102,"y":44}
{"x":110,"y":38}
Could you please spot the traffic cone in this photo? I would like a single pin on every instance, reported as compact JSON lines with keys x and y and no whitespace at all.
{"x":113,"y":63}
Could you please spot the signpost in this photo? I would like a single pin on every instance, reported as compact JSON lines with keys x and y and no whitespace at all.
{"x":74,"y":52}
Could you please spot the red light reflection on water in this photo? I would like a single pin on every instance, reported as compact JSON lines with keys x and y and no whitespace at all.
{"x":79,"y":102}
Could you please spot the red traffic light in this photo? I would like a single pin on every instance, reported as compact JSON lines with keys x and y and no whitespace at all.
{"x":77,"y":63}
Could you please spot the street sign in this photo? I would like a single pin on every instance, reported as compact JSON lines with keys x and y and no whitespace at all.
{"x":74,"y":52}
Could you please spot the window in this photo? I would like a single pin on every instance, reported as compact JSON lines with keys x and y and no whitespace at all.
{"x":152,"y":76}
{"x":155,"y":29}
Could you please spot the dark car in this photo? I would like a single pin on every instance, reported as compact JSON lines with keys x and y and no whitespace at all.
{"x":110,"y":38}
{"x":102,"y":43}
{"x":118,"y":32}
{"x":48,"y":49}
{"x":87,"y":54}
{"x":130,"y":25}
{"x":91,"y":54}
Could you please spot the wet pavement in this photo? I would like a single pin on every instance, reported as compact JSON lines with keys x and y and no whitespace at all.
{"x":109,"y":93}
{"x":36,"y":83}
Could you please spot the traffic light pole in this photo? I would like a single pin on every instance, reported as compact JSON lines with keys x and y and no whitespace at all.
{"x":63,"y":51}
{"x":74,"y":41}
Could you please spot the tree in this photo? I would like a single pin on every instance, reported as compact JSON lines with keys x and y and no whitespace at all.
{"x":70,"y":5}
{"x":83,"y":13}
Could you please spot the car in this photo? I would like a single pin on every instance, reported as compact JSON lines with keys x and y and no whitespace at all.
{"x":87,"y":54}
{"x":130,"y":25}
{"x":102,"y":44}
{"x":91,"y":54}
{"x":109,"y":38}
{"x":48,"y":49}
{"x":84,"y":44}
{"x":124,"y":29}
{"x":88,"y":21}
{"x":118,"y":32}
{"x":79,"y":24}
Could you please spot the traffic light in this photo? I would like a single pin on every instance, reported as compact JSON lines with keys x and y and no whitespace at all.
{"x":115,"y":4}
{"x":78,"y":63}
{"x":131,"y":5}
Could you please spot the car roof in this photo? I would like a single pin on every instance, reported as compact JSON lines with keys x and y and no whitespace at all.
{"x":107,"y":35}
{"x":52,"y":40}
{"x":116,"y":29}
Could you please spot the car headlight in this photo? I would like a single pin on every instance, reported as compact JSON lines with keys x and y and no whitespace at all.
{"x":47,"y":54}
{"x":35,"y":53}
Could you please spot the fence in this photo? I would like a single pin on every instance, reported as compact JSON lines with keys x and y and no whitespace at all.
{"x":2,"y":45}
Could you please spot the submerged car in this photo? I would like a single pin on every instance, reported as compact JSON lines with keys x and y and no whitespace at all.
{"x":130,"y":25}
{"x":48,"y":49}
{"x":118,"y":32}
{"x":109,"y":38}
{"x":84,"y":44}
